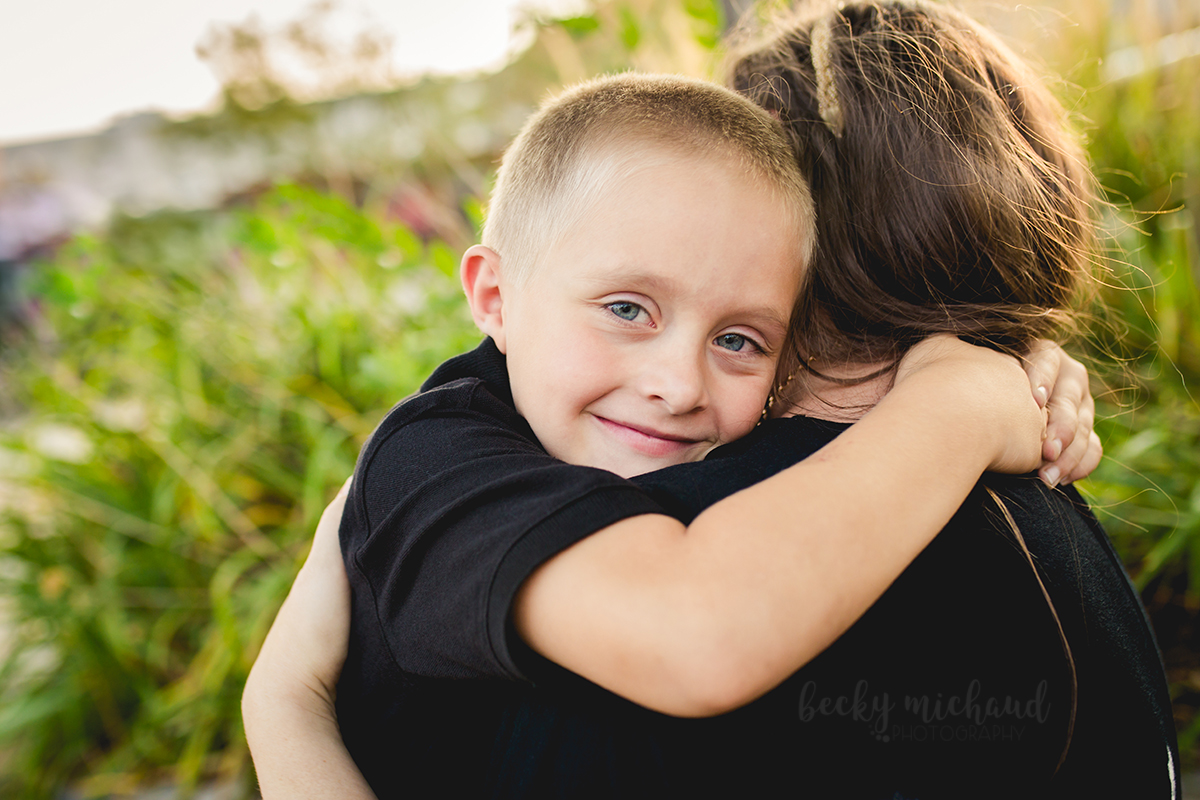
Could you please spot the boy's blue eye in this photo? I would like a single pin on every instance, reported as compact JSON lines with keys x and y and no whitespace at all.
{"x":732,"y":341}
{"x":626,"y":311}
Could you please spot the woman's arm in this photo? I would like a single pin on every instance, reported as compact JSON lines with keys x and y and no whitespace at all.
{"x":287,"y":707}
{"x":699,"y":620}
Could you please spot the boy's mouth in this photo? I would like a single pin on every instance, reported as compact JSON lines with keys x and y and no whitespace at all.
{"x":648,"y":441}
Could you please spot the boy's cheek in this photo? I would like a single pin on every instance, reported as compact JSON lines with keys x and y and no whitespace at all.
{"x":741,"y":417}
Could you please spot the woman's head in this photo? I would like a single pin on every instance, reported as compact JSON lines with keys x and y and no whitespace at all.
{"x":950,"y":193}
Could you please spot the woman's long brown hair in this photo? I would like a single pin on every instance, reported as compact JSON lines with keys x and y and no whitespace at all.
{"x":953,"y":198}
{"x":951,"y":195}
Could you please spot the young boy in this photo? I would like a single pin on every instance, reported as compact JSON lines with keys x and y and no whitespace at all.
{"x":643,"y":250}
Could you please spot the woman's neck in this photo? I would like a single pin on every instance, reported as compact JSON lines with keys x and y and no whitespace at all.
{"x":837,"y":402}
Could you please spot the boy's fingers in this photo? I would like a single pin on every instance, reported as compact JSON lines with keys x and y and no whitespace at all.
{"x":1071,"y":449}
{"x":1067,"y":421}
{"x":1062,"y":426}
{"x":1076,"y":462}
{"x":1071,"y":412}
{"x":1089,"y":461}
{"x":1079,"y":457}
{"x":1042,"y":365}
{"x":1054,"y":472}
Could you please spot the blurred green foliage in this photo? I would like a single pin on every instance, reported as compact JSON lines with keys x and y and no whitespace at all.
{"x":201,"y":383}
{"x":1141,"y":114}
{"x":194,"y":387}
{"x":1144,"y":138}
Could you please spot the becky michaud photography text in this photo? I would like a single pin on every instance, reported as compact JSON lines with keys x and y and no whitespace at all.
{"x":967,"y":716}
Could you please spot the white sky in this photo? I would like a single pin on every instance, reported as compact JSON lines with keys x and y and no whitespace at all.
{"x":70,"y":66}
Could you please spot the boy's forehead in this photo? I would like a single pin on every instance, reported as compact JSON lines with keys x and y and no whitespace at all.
{"x":609,"y":167}
{"x":615,"y":249}
{"x":706,"y":237}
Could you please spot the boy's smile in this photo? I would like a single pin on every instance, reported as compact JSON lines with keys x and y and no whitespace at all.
{"x":653,"y":443}
{"x":648,"y":334}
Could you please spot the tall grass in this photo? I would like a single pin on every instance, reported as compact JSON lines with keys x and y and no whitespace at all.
{"x":1142,"y":117}
{"x":1144,"y":139}
{"x":200,"y":385}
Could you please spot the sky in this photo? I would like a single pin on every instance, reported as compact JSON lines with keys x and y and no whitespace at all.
{"x":71,"y":66}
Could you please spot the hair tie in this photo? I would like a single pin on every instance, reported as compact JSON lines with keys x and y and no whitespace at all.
{"x":827,"y":96}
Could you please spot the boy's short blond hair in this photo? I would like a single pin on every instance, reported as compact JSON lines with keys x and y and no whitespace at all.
{"x":589,"y":138}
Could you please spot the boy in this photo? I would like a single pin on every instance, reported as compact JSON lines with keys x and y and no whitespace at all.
{"x":642,"y":253}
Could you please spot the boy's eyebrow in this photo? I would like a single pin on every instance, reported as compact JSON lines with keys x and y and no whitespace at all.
{"x":613,"y":279}
{"x":768,"y":320}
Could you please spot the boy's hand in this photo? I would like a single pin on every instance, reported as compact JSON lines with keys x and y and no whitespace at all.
{"x":1060,"y":384}
{"x":312,"y":631}
{"x":990,"y":385}
{"x":288,"y":705}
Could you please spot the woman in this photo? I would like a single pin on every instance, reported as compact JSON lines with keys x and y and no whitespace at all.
{"x":950,"y":199}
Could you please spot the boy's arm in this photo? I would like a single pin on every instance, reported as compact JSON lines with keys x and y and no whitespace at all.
{"x":287,"y":707}
{"x":700,"y":620}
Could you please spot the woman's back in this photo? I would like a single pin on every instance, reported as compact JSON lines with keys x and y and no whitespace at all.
{"x":954,"y":198}
{"x":956,"y":683}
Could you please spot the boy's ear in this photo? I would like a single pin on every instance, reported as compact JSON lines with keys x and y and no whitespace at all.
{"x":480,"y":274}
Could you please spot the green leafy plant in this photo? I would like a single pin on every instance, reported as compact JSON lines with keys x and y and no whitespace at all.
{"x":1145,"y":141}
{"x":1143,"y":122}
{"x":201,"y":385}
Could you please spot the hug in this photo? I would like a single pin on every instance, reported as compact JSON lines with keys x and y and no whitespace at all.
{"x":737,"y":494}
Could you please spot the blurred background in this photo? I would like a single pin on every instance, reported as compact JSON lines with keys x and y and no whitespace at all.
{"x":228,"y":244}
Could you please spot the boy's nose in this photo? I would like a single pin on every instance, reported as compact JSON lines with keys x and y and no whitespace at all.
{"x":677,"y":380}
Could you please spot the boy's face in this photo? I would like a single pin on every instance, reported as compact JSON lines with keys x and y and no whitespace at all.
{"x":648,"y":334}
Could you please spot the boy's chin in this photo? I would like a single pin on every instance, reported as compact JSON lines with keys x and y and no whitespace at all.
{"x":634,"y":464}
